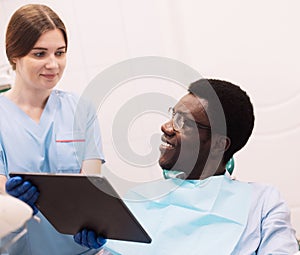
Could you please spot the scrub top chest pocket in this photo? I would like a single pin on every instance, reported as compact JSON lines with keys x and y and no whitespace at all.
{"x":70,"y":151}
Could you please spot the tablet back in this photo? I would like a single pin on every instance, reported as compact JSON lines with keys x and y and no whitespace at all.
{"x":72,"y":202}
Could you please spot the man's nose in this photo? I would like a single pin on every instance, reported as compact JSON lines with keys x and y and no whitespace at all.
{"x":167,"y":128}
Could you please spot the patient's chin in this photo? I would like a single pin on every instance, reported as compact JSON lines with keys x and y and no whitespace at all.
{"x":165,"y":164}
{"x":168,"y":159}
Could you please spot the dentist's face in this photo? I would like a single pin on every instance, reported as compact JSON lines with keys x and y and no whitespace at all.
{"x":44,"y":65}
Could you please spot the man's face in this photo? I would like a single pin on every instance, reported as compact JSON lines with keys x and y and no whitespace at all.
{"x":186,"y":148}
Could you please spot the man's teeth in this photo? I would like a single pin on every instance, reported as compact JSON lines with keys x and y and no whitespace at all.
{"x":167,"y":145}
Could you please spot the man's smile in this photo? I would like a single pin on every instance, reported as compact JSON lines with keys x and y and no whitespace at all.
{"x":166,"y":144}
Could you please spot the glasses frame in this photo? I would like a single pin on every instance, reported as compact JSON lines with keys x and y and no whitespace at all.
{"x":178,"y":127}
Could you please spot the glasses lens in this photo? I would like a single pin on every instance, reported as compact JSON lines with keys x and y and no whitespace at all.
{"x":178,"y":121}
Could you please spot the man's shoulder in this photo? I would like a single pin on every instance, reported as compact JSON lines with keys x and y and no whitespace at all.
{"x":260,"y":191}
{"x":258,"y":186}
{"x":263,"y":188}
{"x":265,"y":195}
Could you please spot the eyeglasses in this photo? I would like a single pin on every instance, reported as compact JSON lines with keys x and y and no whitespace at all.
{"x":179,"y":121}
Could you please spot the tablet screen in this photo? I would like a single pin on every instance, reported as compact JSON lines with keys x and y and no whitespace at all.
{"x":71,"y":202}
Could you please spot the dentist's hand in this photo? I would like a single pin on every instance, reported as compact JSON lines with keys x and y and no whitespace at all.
{"x":89,"y":239}
{"x":23,"y":190}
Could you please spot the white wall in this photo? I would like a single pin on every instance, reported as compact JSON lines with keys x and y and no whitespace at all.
{"x":251,"y":43}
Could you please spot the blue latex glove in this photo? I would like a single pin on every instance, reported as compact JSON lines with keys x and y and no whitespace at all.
{"x":23,"y":190}
{"x":89,"y":239}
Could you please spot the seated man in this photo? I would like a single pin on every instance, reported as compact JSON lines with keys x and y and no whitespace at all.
{"x":198,"y":208}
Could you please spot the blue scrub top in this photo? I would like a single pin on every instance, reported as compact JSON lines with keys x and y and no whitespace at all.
{"x":67,"y":134}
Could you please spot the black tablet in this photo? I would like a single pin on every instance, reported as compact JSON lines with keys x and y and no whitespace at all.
{"x":72,"y":202}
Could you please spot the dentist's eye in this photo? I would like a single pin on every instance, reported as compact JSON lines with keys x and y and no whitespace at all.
{"x":60,"y":53}
{"x":39,"y":54}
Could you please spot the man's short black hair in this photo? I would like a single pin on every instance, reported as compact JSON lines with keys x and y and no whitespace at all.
{"x":237,"y":107}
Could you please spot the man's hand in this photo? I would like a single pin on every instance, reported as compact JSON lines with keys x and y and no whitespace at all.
{"x":89,"y":239}
{"x":23,"y":190}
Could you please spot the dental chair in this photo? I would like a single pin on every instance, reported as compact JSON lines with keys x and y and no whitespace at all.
{"x":14,"y":215}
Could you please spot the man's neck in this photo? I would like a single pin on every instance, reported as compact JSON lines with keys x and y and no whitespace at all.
{"x":207,"y":171}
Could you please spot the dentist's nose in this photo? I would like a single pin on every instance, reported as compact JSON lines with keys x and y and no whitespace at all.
{"x":52,"y":63}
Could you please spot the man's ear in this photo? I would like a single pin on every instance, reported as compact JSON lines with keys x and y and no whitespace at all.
{"x":221,"y":143}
